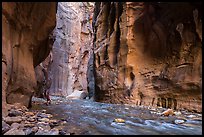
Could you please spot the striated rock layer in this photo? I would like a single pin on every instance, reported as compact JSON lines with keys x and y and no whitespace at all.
{"x":72,"y":48}
{"x":25,"y":35}
{"x":148,"y":53}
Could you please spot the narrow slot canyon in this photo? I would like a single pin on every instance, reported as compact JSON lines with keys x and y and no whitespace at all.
{"x":101,"y":68}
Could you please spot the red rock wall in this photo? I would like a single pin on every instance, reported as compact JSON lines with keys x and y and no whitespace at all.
{"x":25,"y":35}
{"x":148,"y":54}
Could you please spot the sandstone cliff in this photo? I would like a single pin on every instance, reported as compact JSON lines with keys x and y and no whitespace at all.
{"x":26,"y":43}
{"x":71,"y":49}
{"x":148,"y":53}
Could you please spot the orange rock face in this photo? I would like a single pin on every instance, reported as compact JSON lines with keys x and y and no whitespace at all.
{"x":25,"y":35}
{"x":148,"y":54}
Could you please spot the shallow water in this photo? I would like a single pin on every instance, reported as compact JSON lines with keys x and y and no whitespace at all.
{"x":85,"y":117}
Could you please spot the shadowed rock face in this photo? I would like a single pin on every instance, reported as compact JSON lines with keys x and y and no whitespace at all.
{"x":26,"y":43}
{"x":149,"y":53}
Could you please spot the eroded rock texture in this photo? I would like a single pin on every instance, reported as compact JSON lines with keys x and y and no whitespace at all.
{"x":149,"y":53}
{"x":43,"y":73}
{"x":26,"y":28}
{"x":72,"y":48}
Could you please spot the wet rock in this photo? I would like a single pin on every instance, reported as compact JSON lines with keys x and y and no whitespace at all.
{"x":29,"y":113}
{"x":23,"y":118}
{"x":42,"y":132}
{"x":177,"y":113}
{"x":179,"y":121}
{"x":15,"y":131}
{"x":47,"y":132}
{"x":24,"y":108}
{"x":119,"y":120}
{"x":44,"y":120}
{"x":15,"y":125}
{"x":53,"y":123}
{"x":77,"y":95}
{"x":29,"y":125}
{"x":11,"y":120}
{"x":34,"y":129}
{"x":168,"y":112}
{"x":5,"y":127}
{"x":31,"y":119}
{"x":62,"y":132}
{"x":43,"y":111}
{"x":191,"y":116}
{"x":53,"y":131}
{"x":44,"y":115}
{"x":28,"y":131}
{"x":43,"y":126}
{"x":13,"y":113}
{"x":64,"y":122}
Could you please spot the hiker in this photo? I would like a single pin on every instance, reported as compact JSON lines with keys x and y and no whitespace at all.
{"x":46,"y":86}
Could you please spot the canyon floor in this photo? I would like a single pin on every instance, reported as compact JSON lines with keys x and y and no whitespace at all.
{"x":86,"y":117}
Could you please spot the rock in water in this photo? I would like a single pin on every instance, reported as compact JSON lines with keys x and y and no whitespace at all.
{"x":179,"y":121}
{"x":168,"y":112}
{"x":78,"y":95}
{"x":119,"y":120}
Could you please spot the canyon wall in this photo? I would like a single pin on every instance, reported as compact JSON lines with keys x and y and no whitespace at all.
{"x":148,"y":54}
{"x":25,"y":43}
{"x":71,"y":49}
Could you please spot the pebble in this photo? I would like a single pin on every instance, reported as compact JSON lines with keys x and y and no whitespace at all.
{"x":28,"y":131}
{"x":42,"y":132}
{"x":44,"y":115}
{"x":179,"y":121}
{"x":191,"y":116}
{"x":14,"y":131}
{"x":43,"y":111}
{"x":13,"y":113}
{"x":43,"y":125}
{"x":177,"y":113}
{"x":24,"y":108}
{"x":119,"y":120}
{"x":44,"y":119}
{"x":64,"y":122}
{"x":31,"y":119}
{"x":62,"y":132}
{"x":5,"y":127}
{"x":21,"y":121}
{"x":53,"y":131}
{"x":15,"y":125}
{"x":10,"y":120}
{"x":53,"y":123}
{"x":29,"y":113}
{"x":34,"y":129}
{"x":29,"y":125}
{"x":23,"y":118}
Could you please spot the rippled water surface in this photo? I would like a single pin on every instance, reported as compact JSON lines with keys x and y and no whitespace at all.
{"x":85,"y":117}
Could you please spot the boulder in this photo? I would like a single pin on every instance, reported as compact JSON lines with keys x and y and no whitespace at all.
{"x":77,"y":95}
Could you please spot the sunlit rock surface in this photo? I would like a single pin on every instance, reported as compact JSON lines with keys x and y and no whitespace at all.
{"x":149,"y":53}
{"x":72,"y":48}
